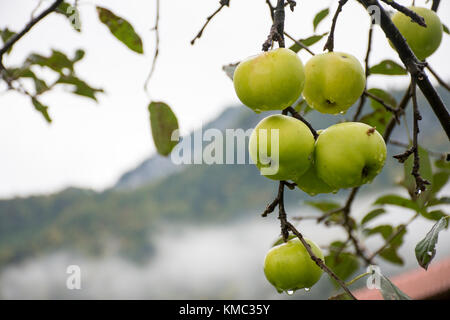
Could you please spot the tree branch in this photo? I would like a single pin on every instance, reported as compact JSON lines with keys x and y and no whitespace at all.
{"x":396,"y":112}
{"x":319,"y":261}
{"x":277,"y":29}
{"x":414,"y":16}
{"x":362,"y":99}
{"x":439,"y":79}
{"x":27,"y":28}
{"x":296,"y":115}
{"x":392,"y":237}
{"x":223,"y":3}
{"x":329,"y":45}
{"x":413,"y":65}
{"x":401,"y":108}
{"x":435,"y":5}
{"x":155,"y":56}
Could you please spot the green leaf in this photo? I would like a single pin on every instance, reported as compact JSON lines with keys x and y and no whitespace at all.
{"x":440,"y":179}
{"x":320,"y":16}
{"x":164,"y":123}
{"x":71,"y":13}
{"x":445,"y":29}
{"x":80,"y":87}
{"x":280,"y":240}
{"x":39,"y":84}
{"x":303,"y":107}
{"x":41,"y":108}
{"x":387,"y":232}
{"x":438,"y":201}
{"x":434,"y":215}
{"x":426,"y":248}
{"x":121,"y":29}
{"x":307,"y":42}
{"x":388,"y":67}
{"x":372,"y":214}
{"x":344,"y":265}
{"x":323,"y":206}
{"x":442,"y":164}
{"x":378,"y":119}
{"x":384,"y":230}
{"x":383,"y":95}
{"x":57,"y":61}
{"x":390,"y":254}
{"x":5,"y":34}
{"x":396,"y":200}
{"x":390,"y":291}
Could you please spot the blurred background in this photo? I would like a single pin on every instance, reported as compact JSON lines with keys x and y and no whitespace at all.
{"x":89,"y":190}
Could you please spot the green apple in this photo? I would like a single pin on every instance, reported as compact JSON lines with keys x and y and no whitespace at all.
{"x":281,"y":147}
{"x":310,"y":182}
{"x":273,"y":80}
{"x":334,"y":81}
{"x":349,"y":154}
{"x":423,"y":41}
{"x":288,"y":267}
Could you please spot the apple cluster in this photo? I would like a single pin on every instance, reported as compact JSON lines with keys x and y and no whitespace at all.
{"x":330,"y":82}
{"x":344,"y":155}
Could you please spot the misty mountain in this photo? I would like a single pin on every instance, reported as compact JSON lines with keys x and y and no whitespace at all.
{"x":158,"y":193}
{"x":156,"y":166}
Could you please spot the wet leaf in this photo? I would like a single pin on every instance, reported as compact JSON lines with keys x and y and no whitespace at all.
{"x":426,"y":248}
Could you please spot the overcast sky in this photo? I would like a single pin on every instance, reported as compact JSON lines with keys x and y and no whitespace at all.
{"x":91,"y":145}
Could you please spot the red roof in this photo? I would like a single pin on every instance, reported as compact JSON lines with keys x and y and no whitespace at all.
{"x":418,"y":283}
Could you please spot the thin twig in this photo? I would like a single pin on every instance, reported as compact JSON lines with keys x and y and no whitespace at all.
{"x":223,"y":3}
{"x":296,"y":115}
{"x":401,"y":108}
{"x":393,"y":236}
{"x":420,"y":182}
{"x":329,"y":45}
{"x":439,"y":79}
{"x":155,"y":56}
{"x":414,"y":16}
{"x":388,"y":107}
{"x":406,"y":145}
{"x":299,"y":43}
{"x":362,"y":99}
{"x":11,"y":41}
{"x":319,"y":261}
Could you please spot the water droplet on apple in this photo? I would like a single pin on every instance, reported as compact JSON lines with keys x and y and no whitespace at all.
{"x":307,"y":289}
{"x":290,"y":292}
